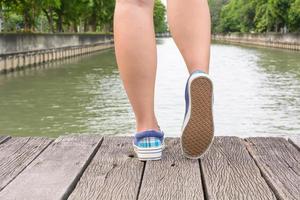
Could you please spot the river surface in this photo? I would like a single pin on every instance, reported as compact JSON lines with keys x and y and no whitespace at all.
{"x":257,"y":93}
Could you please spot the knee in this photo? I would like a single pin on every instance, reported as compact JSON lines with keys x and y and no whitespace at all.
{"x":139,"y":3}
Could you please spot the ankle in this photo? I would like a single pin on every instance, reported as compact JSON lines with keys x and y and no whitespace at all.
{"x":151,"y":125}
{"x":194,"y":69}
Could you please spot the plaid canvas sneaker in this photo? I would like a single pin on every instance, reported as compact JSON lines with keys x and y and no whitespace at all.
{"x":148,"y":145}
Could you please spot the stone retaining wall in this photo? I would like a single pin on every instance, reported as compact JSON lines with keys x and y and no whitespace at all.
{"x":19,"y":51}
{"x":285,"y":41}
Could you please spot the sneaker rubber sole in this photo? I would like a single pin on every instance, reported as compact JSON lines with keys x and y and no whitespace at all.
{"x":145,"y":154}
{"x":198,"y":128}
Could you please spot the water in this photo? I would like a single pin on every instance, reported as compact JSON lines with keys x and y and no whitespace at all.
{"x":257,"y":93}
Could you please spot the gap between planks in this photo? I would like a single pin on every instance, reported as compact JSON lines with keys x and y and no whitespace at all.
{"x":280,"y":167}
{"x":16,"y":158}
{"x":4,"y":138}
{"x":145,"y":166}
{"x":78,"y":177}
{"x":295,"y":140}
{"x":54,"y":173}
{"x":114,"y":172}
{"x":229,"y":172}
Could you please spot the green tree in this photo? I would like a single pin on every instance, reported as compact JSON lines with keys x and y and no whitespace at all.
{"x":294,"y":16}
{"x":229,"y":17}
{"x":247,"y":14}
{"x":48,"y":7}
{"x":215,"y":7}
{"x":67,"y":15}
{"x":279,"y":13}
{"x":263,"y":19}
{"x":271,"y":15}
{"x":106,"y":14}
{"x":93,"y":15}
{"x":237,"y":16}
{"x":255,"y":15}
{"x":28,"y":9}
{"x":13,"y":22}
{"x":159,"y":17}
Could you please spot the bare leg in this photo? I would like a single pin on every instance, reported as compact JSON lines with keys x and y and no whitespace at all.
{"x":189,"y":22}
{"x":135,"y":48}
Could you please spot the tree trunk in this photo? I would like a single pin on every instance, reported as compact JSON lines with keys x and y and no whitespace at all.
{"x":75,"y":27}
{"x":85,"y":26}
{"x":59,"y":23}
{"x":26,"y":20}
{"x":51,"y":21}
{"x":49,"y":18}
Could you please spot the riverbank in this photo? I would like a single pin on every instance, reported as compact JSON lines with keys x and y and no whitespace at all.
{"x":22,"y":50}
{"x":283,"y":41}
{"x":162,"y":35}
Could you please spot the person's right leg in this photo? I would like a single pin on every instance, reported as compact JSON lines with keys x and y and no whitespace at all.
{"x":135,"y":48}
{"x":189,"y":23}
{"x":190,"y":27}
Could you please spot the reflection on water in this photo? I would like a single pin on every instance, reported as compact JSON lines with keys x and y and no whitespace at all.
{"x":77,"y":96}
{"x":257,"y":92}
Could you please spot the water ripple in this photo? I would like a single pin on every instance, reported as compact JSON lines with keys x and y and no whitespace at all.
{"x":257,"y":93}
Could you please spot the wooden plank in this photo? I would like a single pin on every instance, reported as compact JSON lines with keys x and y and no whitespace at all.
{"x":55,"y":172}
{"x":229,"y":172}
{"x":114,"y":173}
{"x":279,"y":162}
{"x":16,"y":154}
{"x":295,"y":140}
{"x":174,"y":177}
{"x":4,"y":138}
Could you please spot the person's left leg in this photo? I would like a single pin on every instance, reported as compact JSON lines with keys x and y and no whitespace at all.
{"x":135,"y":49}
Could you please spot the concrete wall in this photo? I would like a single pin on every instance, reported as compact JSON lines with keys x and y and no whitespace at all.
{"x":159,"y":35}
{"x":20,"y":50}
{"x":12,"y":43}
{"x":285,"y":41}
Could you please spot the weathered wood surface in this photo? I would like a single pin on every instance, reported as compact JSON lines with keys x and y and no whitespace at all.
{"x":16,"y":154}
{"x":230,"y":173}
{"x":279,"y":162}
{"x":295,"y":140}
{"x":90,"y":167}
{"x":113,"y":173}
{"x":174,"y":177}
{"x":54,"y":173}
{"x":4,"y":138}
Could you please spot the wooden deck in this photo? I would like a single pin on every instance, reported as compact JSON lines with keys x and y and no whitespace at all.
{"x":97,"y":167}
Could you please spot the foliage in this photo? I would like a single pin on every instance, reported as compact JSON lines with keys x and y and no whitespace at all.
{"x":159,"y":17}
{"x":67,"y":15}
{"x":294,"y":16}
{"x":13,"y":23}
{"x":215,"y":11}
{"x":255,"y":15}
{"x":20,"y":7}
